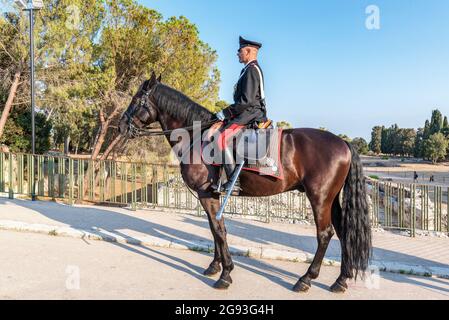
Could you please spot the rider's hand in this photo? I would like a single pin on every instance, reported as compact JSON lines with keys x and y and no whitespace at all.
{"x":220,"y":116}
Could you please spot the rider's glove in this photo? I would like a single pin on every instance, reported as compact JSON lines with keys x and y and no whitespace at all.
{"x":220,"y":116}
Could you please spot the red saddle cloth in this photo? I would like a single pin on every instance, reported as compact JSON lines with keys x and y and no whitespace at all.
{"x":223,"y":139}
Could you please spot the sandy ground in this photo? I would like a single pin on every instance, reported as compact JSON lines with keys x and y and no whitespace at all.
{"x":45,"y":267}
{"x":396,"y":170}
{"x":409,"y":164}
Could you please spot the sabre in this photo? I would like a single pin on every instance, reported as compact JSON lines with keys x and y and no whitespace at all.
{"x":231,"y":187}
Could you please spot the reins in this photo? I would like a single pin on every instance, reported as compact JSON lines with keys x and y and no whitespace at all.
{"x":153,"y":132}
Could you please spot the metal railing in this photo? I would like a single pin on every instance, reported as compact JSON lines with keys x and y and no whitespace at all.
{"x":409,"y":206}
{"x":399,"y":206}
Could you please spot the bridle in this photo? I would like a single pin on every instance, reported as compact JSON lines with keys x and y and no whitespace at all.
{"x":134,"y":131}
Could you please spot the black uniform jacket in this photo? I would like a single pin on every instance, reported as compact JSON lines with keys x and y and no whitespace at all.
{"x":248,"y":103}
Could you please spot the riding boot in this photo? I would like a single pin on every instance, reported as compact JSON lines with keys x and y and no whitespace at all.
{"x":229,"y":167}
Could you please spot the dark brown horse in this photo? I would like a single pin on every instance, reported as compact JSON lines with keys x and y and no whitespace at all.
{"x":315,"y":162}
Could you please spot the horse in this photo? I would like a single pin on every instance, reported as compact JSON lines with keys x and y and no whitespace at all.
{"x":314,"y":161}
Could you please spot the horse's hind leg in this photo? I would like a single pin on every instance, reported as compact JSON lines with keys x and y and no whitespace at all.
{"x":322,"y":214}
{"x":212,"y":204}
{"x":340,"y":285}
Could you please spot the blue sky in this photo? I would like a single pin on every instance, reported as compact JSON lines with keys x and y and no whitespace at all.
{"x":323,"y":67}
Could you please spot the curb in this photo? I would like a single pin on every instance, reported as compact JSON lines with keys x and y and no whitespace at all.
{"x":235,"y":250}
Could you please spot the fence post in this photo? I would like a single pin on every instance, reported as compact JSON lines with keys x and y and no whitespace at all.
{"x":413,"y":210}
{"x":20,"y":171}
{"x":2,"y":173}
{"x":198,"y":208}
{"x":133,"y":187}
{"x":70,"y":181}
{"x":447,"y":211}
{"x":51,"y":177}
{"x":80,"y":179}
{"x":91,"y":178}
{"x":11,"y":186}
{"x":166,"y":187}
{"x":267,"y":214}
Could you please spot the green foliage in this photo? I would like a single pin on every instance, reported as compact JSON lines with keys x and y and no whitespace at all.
{"x":436,"y":122}
{"x":219,"y":105}
{"x":360,"y":145}
{"x":91,"y":57}
{"x":435,"y":148}
{"x":345,"y":137}
{"x":375,"y":144}
{"x":17,"y":134}
{"x":283,"y":125}
{"x":419,"y":140}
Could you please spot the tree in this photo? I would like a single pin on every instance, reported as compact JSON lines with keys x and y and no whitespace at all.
{"x":419,"y":140}
{"x":13,"y":62}
{"x":171,"y":48}
{"x":360,"y":145}
{"x":435,"y":147}
{"x":345,"y":137}
{"x":426,"y":132}
{"x":436,"y":122}
{"x":407,"y":139}
{"x":445,"y":123}
{"x":389,"y":140}
{"x":62,"y":54}
{"x":283,"y":125}
{"x":375,"y":144}
{"x":220,"y":105}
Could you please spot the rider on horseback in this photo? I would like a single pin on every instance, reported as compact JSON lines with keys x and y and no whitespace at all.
{"x":249,"y":102}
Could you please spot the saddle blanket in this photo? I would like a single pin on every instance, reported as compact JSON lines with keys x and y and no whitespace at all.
{"x":260,"y":148}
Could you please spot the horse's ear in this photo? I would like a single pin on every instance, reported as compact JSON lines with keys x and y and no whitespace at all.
{"x":152,"y":81}
{"x":159,"y":79}
{"x":153,"y":76}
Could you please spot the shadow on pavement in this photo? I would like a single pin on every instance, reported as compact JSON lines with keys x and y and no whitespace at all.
{"x":115,"y":222}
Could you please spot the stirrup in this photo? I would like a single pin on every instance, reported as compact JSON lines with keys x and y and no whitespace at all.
{"x":235,"y":190}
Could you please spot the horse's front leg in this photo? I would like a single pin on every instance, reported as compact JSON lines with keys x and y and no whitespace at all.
{"x":211,"y":204}
{"x":214,"y":266}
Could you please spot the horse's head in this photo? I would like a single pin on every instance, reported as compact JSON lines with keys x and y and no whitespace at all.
{"x":142,"y":110}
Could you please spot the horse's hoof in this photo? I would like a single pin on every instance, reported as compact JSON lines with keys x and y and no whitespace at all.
{"x":211,"y":271}
{"x":338,"y":287}
{"x":301,"y":286}
{"x":222,"y":284}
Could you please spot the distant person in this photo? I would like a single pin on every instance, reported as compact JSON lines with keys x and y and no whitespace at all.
{"x":432,"y":178}
{"x":415,"y":176}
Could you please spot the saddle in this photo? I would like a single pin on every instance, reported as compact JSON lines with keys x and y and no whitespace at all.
{"x":258,"y":145}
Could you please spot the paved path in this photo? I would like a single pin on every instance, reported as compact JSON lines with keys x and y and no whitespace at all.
{"x":38,"y":266}
{"x":295,"y":242}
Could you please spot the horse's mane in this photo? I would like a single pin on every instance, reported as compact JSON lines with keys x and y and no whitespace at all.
{"x":179,"y":106}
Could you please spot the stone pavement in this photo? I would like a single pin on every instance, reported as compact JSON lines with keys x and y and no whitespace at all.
{"x":423,"y":255}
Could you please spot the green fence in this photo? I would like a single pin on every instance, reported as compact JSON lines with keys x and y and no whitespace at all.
{"x":409,"y":206}
{"x":140,"y":185}
{"x":137,"y":185}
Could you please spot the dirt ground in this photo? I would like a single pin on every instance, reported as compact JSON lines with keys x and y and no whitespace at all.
{"x":399,"y":169}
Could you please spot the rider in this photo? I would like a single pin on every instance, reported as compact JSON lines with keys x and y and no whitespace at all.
{"x":249,"y":101}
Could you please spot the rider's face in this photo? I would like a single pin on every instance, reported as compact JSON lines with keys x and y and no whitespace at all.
{"x":243,"y":55}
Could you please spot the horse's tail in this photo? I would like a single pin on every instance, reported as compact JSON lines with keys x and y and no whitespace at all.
{"x":355,"y":224}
